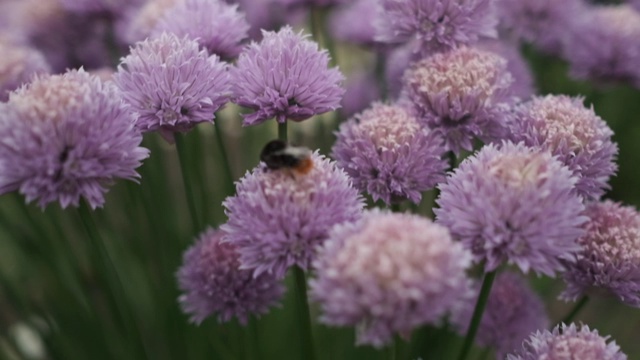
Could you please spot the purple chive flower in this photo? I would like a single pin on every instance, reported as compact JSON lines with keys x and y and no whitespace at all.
{"x":278,"y":218}
{"x":388,"y":273}
{"x":543,"y":23}
{"x":389,"y":155}
{"x":285,"y":76}
{"x":575,"y":134}
{"x":436,"y":25}
{"x":461,"y":94}
{"x":514,"y":204}
{"x":567,"y":342}
{"x":604,"y":45}
{"x":361,"y":89}
{"x":67,"y":136}
{"x":397,"y":62}
{"x":354,"y":22}
{"x":137,"y":24}
{"x":217,"y":26}
{"x":213,"y":283}
{"x":609,"y":262}
{"x":523,"y":84}
{"x":171,"y":84}
{"x":513,"y":311}
{"x":18,"y":65}
{"x":309,"y":3}
{"x":111,"y":7}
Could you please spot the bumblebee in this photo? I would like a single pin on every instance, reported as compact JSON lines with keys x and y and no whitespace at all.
{"x":278,"y":155}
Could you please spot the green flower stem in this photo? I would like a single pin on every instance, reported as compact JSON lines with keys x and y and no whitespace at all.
{"x":182,"y":156}
{"x":304,"y":316}
{"x":282,"y":131}
{"x":398,"y":350}
{"x":576,"y":309}
{"x":225,"y":159}
{"x":477,"y":313}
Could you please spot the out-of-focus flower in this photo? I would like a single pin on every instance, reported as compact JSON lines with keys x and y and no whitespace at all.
{"x":278,"y":218}
{"x":396,"y":63}
{"x":544,"y":23}
{"x":217,"y":26}
{"x":354,"y":22}
{"x":18,"y":65}
{"x":604,"y":45}
{"x":436,"y":25}
{"x":575,"y":134}
{"x":568,"y":342}
{"x":361,"y":89}
{"x":285,"y":76}
{"x":388,"y":273}
{"x":137,"y":24}
{"x":67,"y":136}
{"x":610,"y":259}
{"x":310,"y":3}
{"x":514,"y":204}
{"x":213,"y":283}
{"x":271,"y":15}
{"x":513,"y":311}
{"x":389,"y":155}
{"x":171,"y":84}
{"x":461,"y":94}
{"x":523,"y":84}
{"x":107,"y":7}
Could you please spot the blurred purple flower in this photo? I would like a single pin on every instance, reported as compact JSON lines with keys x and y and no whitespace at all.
{"x":217,"y":26}
{"x":604,"y":45}
{"x":610,"y":259}
{"x":389,"y":155}
{"x":100,"y":7}
{"x":171,"y":84}
{"x":461,"y":94}
{"x":513,"y":311}
{"x":67,"y":136}
{"x":575,"y":134}
{"x":568,"y":342}
{"x":354,"y":22}
{"x":523,"y":84}
{"x":361,"y":89}
{"x":397,"y":62}
{"x":388,"y":273}
{"x":513,"y":204}
{"x":310,"y":3}
{"x":213,"y":283}
{"x":18,"y":65}
{"x":277,"y":219}
{"x":544,"y":23}
{"x":271,"y":15}
{"x":436,"y":25}
{"x":285,"y":76}
{"x":136,"y":24}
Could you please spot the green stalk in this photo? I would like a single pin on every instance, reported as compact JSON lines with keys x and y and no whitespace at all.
{"x":576,"y":309}
{"x":182,"y":156}
{"x":308,"y":352}
{"x":477,"y":313}
{"x":282,"y":131}
{"x":225,"y":159}
{"x":398,"y":349}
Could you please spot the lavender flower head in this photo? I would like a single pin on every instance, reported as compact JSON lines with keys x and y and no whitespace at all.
{"x":461,"y":94}
{"x":436,"y":25}
{"x":388,"y":273}
{"x":285,"y":76}
{"x":171,"y":84}
{"x":610,"y":259}
{"x":137,"y":24}
{"x":354,"y":22}
{"x":278,"y":218}
{"x":217,"y":26}
{"x":389,"y":155}
{"x":213,"y":283}
{"x":523,"y":84}
{"x":109,"y":7}
{"x":513,"y":204}
{"x":17,"y":66}
{"x":513,"y":311}
{"x":604,"y":45}
{"x":67,"y":136}
{"x":543,"y":23}
{"x":566,"y":342}
{"x":575,"y":134}
{"x":361,"y":89}
{"x":309,"y":3}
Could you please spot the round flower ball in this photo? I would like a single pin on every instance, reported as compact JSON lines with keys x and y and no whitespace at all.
{"x":387,"y":274}
{"x":66,"y":137}
{"x":566,"y":342}
{"x":462,"y":94}
{"x":435,"y":25}
{"x":213,"y":283}
{"x":217,"y":26}
{"x":514,"y":204}
{"x":389,"y":155}
{"x":278,"y":218}
{"x":171,"y":84}
{"x":578,"y":137}
{"x":513,"y":311}
{"x":609,"y":262}
{"x":285,"y":77}
{"x":17,"y":66}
